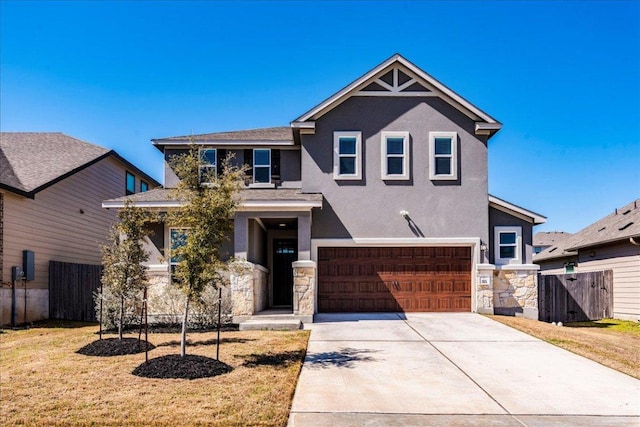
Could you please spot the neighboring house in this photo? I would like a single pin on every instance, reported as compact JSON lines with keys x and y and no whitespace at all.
{"x":545,"y":239}
{"x":612,"y":243}
{"x":374,"y":200}
{"x":51,"y":189}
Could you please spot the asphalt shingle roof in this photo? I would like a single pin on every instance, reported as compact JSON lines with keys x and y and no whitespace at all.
{"x":548,"y":238}
{"x":247,"y":194}
{"x":621,"y":224}
{"x":281,"y":133}
{"x":29,"y":160}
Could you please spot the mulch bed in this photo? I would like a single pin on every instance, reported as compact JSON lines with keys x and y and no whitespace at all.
{"x":188,"y":367}
{"x":115,"y":347}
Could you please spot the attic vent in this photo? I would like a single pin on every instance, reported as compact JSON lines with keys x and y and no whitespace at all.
{"x":626,"y":212}
{"x":602,"y":228}
{"x":553,"y":250}
{"x":625,"y":226}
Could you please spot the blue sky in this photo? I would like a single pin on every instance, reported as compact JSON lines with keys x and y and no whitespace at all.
{"x":563,"y":78}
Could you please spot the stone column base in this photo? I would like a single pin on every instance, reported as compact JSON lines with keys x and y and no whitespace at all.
{"x":304,"y":279}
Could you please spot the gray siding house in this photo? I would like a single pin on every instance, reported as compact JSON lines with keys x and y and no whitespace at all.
{"x":611,"y":243}
{"x":51,"y":190}
{"x":374,"y":200}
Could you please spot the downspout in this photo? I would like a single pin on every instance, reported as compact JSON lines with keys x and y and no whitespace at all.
{"x":633,"y":242}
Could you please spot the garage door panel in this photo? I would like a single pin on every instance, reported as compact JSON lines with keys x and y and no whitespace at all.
{"x":394,"y":279}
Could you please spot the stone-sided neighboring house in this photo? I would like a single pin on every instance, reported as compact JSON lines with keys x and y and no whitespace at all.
{"x":545,"y":239}
{"x":51,"y":190}
{"x":374,"y":200}
{"x":611,"y":243}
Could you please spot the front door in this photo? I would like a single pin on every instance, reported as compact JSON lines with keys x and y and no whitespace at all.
{"x":285,"y":252}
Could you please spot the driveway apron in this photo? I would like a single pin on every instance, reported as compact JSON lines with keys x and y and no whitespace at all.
{"x":445,"y":369}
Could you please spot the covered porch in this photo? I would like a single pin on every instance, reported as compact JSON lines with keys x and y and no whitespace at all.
{"x":273,"y":271}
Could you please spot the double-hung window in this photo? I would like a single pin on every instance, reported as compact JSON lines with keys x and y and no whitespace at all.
{"x":262,"y":166}
{"x":508,"y":245}
{"x":144,"y":186}
{"x":347,"y":155}
{"x":443,"y":152}
{"x":208,"y":164}
{"x":395,"y":155}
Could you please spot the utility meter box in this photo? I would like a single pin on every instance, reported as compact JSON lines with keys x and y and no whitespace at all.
{"x":16,"y":274}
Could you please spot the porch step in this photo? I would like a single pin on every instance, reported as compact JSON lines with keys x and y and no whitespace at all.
{"x":270,"y":324}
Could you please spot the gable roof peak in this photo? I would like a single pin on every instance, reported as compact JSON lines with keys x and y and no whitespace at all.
{"x":406,"y":80}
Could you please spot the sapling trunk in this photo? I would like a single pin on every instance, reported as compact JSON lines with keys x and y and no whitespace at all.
{"x":183,"y":338}
{"x":121,"y":317}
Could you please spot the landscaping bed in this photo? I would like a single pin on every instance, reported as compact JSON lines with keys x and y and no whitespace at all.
{"x":613,"y":343}
{"x":45,"y":380}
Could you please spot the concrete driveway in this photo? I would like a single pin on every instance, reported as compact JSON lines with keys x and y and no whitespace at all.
{"x":451,"y":369}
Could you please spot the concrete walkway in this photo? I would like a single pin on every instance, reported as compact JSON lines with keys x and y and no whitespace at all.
{"x":451,"y":369}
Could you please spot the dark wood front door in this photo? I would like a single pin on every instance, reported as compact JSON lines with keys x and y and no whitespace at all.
{"x":285,"y":252}
{"x":394,"y":279}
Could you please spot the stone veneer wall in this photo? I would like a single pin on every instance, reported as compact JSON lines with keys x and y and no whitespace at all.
{"x":484,"y":289}
{"x":165,"y":303}
{"x":515,"y":291}
{"x":304,"y":279}
{"x":249,"y":289}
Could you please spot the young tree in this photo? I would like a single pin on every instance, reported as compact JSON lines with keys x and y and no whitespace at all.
{"x":124,"y":274}
{"x":208,"y":206}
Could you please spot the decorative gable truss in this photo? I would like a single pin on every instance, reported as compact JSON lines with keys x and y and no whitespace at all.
{"x":397,"y":82}
{"x":398,"y":77}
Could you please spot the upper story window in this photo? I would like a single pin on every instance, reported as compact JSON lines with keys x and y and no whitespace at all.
{"x":130,"y":184}
{"x":347,"y":155}
{"x":395,"y":155}
{"x":443,"y":155}
{"x":208,"y":164}
{"x":262,"y":165}
{"x":144,"y":186}
{"x":508,"y":245}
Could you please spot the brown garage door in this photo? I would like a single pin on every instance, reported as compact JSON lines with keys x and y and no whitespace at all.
{"x":394,"y":279}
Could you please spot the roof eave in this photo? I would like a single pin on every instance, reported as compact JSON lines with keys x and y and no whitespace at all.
{"x":525,"y":214}
{"x":449,"y":95}
{"x":603,"y":242}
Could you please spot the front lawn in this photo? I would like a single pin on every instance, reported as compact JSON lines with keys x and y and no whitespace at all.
{"x":613,"y":343}
{"x":45,"y":382}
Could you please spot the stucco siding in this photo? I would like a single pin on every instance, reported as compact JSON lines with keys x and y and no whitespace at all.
{"x":499,"y":218}
{"x":64,"y":222}
{"x":371,"y":207}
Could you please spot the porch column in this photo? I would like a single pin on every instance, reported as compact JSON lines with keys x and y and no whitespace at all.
{"x":304,"y":283}
{"x":304,"y":236}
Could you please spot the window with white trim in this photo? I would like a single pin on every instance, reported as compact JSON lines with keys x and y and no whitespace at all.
{"x":395,"y":155}
{"x":262,"y":165}
{"x":177,"y":239}
{"x":508,"y":245}
{"x":208,"y":164}
{"x":443,"y":155}
{"x":347,"y":155}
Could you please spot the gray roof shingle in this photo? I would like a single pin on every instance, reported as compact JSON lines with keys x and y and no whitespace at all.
{"x":247,"y":194}
{"x":29,"y":160}
{"x":548,"y":238}
{"x":281,"y":133}
{"x":621,"y":224}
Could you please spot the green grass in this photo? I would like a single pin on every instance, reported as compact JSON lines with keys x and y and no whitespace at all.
{"x":625,"y":326}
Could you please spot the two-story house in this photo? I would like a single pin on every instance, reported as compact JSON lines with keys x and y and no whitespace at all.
{"x":51,"y":189}
{"x":374,"y":200}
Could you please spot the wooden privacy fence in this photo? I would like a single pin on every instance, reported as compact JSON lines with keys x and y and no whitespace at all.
{"x":71,"y":288}
{"x":575,"y":297}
